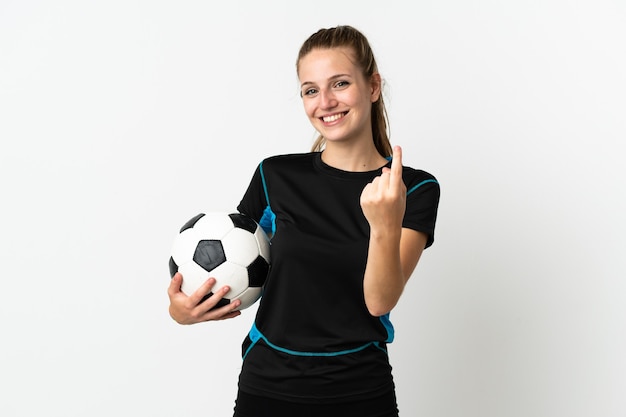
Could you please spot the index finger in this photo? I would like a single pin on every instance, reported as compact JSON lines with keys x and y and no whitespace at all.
{"x":396,"y":162}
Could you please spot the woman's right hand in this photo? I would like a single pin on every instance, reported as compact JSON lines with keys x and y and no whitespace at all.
{"x":189,"y":310}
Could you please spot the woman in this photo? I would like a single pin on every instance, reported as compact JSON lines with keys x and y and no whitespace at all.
{"x":348,"y":225}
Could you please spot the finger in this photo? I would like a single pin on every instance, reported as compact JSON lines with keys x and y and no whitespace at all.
{"x":202,"y":291}
{"x":396,"y":162}
{"x":175,"y":284}
{"x":229,"y":315}
{"x":384,"y":178}
{"x":215,"y":301}
{"x":227,"y":311}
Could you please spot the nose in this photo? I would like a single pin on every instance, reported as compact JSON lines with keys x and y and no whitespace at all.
{"x":327,"y":99}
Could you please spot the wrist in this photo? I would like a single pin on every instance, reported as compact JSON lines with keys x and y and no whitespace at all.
{"x":388,"y":235}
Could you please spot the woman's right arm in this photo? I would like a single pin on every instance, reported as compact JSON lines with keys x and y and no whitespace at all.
{"x":189,"y":310}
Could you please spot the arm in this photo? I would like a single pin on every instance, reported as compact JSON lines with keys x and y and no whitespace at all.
{"x":393,"y":251}
{"x":390,"y":263}
{"x":191,"y":309}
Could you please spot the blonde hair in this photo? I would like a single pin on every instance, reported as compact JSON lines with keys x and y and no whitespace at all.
{"x":349,"y":37}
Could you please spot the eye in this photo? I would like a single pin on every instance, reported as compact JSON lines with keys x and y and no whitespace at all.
{"x":341,"y":84}
{"x":309,"y":92}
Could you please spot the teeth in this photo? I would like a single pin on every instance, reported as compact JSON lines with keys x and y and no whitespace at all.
{"x":332,"y":118}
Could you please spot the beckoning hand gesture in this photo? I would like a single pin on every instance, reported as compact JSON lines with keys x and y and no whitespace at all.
{"x":383,"y":201}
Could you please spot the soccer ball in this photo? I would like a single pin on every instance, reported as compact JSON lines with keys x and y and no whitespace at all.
{"x":232,"y":248}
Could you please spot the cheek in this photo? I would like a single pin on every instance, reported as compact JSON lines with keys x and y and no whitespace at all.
{"x":354,"y":98}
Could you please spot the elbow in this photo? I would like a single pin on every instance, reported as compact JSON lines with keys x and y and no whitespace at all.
{"x":378,"y":313}
{"x":381,"y":296}
{"x":378,"y":309}
{"x":380,"y":301}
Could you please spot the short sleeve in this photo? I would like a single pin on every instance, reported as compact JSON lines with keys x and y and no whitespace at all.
{"x":422,"y":203}
{"x":254,"y":202}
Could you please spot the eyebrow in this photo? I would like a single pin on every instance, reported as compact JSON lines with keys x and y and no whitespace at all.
{"x":334,"y":77}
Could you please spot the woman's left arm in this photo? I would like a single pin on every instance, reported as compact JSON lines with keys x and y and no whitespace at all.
{"x":393,"y":250}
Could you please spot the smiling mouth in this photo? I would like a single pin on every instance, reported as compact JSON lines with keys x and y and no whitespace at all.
{"x":333,"y":117}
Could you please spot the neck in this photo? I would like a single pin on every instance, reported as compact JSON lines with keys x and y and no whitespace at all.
{"x":349,"y":158}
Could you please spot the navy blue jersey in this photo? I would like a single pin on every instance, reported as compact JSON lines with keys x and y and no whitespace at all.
{"x":313,"y":338}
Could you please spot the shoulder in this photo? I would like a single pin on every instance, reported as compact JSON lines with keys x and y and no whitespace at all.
{"x":287,"y":161}
{"x":415,"y":179}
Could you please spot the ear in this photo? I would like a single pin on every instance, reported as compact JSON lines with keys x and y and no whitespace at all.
{"x":375,"y":87}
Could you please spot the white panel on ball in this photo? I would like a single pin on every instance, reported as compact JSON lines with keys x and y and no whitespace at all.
{"x":239,"y":248}
{"x":214,"y":225}
{"x":233,"y":275}
{"x":185,"y":246}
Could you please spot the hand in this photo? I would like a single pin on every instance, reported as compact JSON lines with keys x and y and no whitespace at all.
{"x":189,"y":310}
{"x":383,"y":201}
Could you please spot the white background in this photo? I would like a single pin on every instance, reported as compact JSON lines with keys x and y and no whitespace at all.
{"x":119,"y":120}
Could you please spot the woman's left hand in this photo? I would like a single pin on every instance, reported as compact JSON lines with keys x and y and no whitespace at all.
{"x":383,"y":201}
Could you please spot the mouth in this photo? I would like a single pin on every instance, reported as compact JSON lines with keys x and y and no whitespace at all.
{"x":333,"y":117}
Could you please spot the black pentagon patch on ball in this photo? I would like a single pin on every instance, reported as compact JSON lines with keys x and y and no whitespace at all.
{"x":257,"y":272}
{"x":209,"y":254}
{"x":191,"y":223}
{"x":243,"y":222}
{"x":173,"y":267}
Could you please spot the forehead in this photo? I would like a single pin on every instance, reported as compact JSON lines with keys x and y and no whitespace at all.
{"x":322,"y":64}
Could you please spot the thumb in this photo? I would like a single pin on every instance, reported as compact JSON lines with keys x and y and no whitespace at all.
{"x":175,"y":284}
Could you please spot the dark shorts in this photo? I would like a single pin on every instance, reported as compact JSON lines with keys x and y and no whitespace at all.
{"x":248,"y":405}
